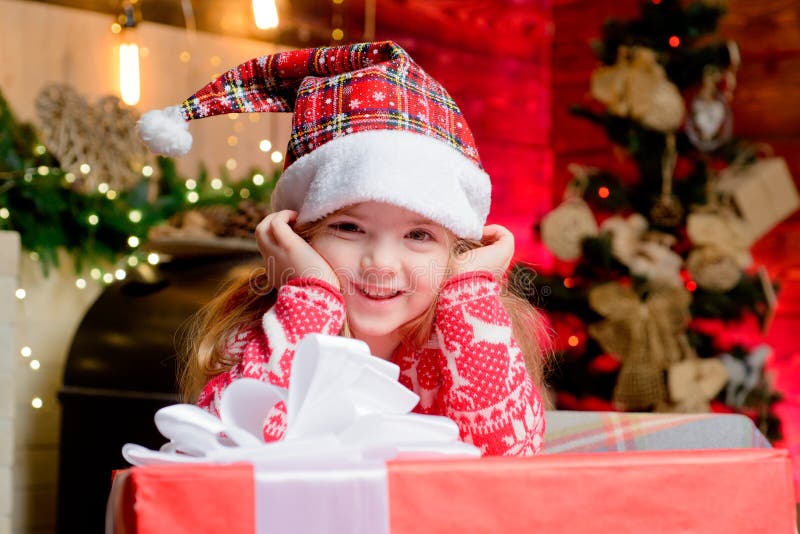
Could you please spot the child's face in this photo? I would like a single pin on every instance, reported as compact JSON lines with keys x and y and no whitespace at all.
{"x":390,"y":263}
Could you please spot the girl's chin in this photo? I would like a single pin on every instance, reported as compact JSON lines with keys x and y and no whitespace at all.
{"x":372,"y":329}
{"x":382,"y":343}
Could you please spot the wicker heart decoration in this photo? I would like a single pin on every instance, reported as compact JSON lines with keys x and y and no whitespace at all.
{"x":102,"y":136}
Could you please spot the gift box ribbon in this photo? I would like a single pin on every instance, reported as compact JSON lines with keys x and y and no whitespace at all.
{"x":346,"y":416}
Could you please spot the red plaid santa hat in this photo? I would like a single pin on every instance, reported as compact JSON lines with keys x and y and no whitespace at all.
{"x":368,"y":124}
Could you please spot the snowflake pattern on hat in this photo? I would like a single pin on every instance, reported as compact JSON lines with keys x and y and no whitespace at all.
{"x":368,"y":124}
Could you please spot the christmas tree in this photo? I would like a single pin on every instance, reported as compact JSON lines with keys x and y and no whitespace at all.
{"x":653,"y":276}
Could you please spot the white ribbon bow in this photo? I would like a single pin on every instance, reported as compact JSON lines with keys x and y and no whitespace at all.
{"x":346,"y":415}
{"x":343,"y":405}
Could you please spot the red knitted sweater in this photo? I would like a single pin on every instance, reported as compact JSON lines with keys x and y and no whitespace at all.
{"x":471,"y":370}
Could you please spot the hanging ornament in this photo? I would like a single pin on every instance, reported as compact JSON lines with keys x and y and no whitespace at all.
{"x":645,"y":333}
{"x":723,"y":230}
{"x":637,"y":86}
{"x":658,"y":264}
{"x":709,"y":124}
{"x":564,"y":229}
{"x":640,"y":386}
{"x":667,"y":210}
{"x":710,"y":121}
{"x":713,"y":269}
{"x":97,"y":144}
{"x":646,"y":254}
{"x":763,"y":192}
{"x":693,"y":382}
{"x":626,"y":235}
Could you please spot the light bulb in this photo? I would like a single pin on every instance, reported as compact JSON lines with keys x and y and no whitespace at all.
{"x":129,"y":88}
{"x":265,"y":13}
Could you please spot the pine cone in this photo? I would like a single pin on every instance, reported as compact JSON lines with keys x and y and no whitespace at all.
{"x":216,"y":218}
{"x":242,"y":223}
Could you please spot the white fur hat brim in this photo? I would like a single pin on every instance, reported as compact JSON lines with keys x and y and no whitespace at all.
{"x":399,"y":167}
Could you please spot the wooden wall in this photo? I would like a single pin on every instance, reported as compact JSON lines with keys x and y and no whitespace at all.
{"x":494,"y":59}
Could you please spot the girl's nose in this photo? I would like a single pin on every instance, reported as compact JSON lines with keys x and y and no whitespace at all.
{"x":381,"y":258}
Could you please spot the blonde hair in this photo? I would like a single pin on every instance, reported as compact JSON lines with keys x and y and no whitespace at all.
{"x":243,"y":301}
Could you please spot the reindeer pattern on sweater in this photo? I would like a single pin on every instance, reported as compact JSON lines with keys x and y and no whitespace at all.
{"x":471,"y":370}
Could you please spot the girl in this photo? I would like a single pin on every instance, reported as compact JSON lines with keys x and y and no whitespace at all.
{"x":377,"y":233}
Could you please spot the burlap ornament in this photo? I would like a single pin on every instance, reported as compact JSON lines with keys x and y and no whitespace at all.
{"x":102,"y":136}
{"x":645,"y":334}
{"x":763,"y":193}
{"x":609,"y":85}
{"x":694,"y":382}
{"x":713,"y":269}
{"x":637,"y":86}
{"x":564,"y":228}
{"x":639,"y":387}
{"x":723,"y":230}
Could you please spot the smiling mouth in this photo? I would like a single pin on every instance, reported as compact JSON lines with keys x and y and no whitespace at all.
{"x":378,"y":294}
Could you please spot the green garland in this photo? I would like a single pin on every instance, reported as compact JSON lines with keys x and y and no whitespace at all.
{"x":38,"y":201}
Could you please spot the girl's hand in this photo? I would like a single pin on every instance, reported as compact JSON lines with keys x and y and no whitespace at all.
{"x":494,"y":256}
{"x":286,"y":254}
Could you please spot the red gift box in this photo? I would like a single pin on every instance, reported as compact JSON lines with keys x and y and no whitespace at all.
{"x":741,"y":490}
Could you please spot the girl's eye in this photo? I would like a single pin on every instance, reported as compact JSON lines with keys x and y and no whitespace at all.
{"x":345,"y":227}
{"x":420,"y":235}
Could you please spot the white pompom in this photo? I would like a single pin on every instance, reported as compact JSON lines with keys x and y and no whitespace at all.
{"x":165,"y":131}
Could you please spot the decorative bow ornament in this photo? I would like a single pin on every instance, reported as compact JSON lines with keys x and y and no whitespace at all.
{"x":649,"y":335}
{"x":344,"y":406}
